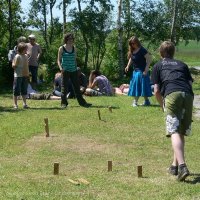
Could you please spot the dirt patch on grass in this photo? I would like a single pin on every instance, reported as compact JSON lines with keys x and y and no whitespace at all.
{"x":78,"y":144}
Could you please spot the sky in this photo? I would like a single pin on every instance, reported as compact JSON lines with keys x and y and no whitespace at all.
{"x":25,"y":4}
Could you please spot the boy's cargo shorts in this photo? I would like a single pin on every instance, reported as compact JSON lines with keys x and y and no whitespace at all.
{"x":178,"y":109}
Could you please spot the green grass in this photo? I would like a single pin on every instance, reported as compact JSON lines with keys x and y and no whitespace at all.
{"x":82,"y":145}
{"x":189,"y":53}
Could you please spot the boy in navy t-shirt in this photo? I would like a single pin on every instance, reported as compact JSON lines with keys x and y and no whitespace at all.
{"x":173,"y":90}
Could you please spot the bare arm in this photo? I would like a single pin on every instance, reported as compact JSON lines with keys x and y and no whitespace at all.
{"x":75,"y":52}
{"x":158,"y":95}
{"x":128,"y":65}
{"x":15,"y":62}
{"x":60,"y":51}
{"x":93,"y":85}
{"x":39,"y":52}
{"x":148,"y":58}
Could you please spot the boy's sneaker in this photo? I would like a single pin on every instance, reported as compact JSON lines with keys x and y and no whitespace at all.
{"x":173,"y":170}
{"x":15,"y":107}
{"x":26,"y":106}
{"x":183,"y":173}
{"x":146,"y":103}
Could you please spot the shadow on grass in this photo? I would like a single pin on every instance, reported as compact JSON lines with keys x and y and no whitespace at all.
{"x":105,"y":106}
{"x":196,"y":179}
{"x":10,"y":109}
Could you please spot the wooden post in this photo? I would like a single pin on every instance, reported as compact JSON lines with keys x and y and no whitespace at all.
{"x":139,"y":171}
{"x":56,"y":168}
{"x":110,"y":108}
{"x":99,"y":114}
{"x":46,"y":121}
{"x":109,"y":166}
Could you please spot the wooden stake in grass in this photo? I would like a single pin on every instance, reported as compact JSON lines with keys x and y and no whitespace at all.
{"x":109,"y":166}
{"x":46,"y":121}
{"x":99,"y":114}
{"x":74,"y":182}
{"x":56,"y":168}
{"x":139,"y":171}
{"x":110,"y":108}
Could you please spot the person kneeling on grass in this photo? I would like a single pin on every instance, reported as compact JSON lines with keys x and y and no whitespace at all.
{"x":173,"y":90}
{"x":98,"y":85}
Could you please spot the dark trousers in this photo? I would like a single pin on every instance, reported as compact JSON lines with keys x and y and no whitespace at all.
{"x":73,"y":76}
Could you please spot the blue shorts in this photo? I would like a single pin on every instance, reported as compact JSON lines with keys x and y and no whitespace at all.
{"x":20,"y":85}
{"x":34,"y":73}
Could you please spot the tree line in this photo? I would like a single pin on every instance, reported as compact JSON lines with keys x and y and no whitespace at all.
{"x":101,"y":35}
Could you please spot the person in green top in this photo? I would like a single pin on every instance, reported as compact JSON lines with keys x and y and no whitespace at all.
{"x":68,"y":67}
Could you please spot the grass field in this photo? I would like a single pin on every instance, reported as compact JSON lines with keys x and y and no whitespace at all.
{"x":189,"y":53}
{"x":83,"y":144}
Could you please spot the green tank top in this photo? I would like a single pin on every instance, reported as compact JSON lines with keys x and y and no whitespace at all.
{"x":68,"y":60}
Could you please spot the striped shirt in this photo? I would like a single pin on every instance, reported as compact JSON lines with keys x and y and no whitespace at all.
{"x":69,"y":60}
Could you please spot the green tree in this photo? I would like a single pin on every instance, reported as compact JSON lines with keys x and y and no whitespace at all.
{"x":93,"y":23}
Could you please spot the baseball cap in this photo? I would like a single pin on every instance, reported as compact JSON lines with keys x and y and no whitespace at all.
{"x":31,"y":36}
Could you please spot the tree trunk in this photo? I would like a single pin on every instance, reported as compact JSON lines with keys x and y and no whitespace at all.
{"x":44,"y":12}
{"x":84,"y":36}
{"x":128,"y":17}
{"x":120,"y":40}
{"x":52,"y":3}
{"x":64,"y":17}
{"x":174,"y":21}
{"x":10,"y":24}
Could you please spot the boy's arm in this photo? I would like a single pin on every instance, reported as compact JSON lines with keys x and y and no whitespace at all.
{"x":15,"y":62}
{"x":158,"y":95}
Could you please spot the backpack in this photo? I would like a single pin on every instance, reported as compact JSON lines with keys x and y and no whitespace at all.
{"x":12,"y":53}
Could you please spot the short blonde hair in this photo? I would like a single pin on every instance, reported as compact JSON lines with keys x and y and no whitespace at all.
{"x":167,"y":49}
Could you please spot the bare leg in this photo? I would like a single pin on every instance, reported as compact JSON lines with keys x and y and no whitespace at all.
{"x":24,"y":99}
{"x":136,"y":99}
{"x":15,"y":100}
{"x":175,"y":162}
{"x":178,"y":143}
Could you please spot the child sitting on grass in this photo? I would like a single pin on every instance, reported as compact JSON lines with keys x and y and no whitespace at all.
{"x":21,"y":74}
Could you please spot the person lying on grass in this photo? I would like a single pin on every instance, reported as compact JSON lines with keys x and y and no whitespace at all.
{"x":98,"y":85}
{"x":122,"y":89}
{"x":173,"y":90}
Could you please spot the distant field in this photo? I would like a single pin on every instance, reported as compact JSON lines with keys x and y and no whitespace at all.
{"x":189,"y":53}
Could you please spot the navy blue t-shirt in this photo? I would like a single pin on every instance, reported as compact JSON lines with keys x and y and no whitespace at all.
{"x":172,"y":76}
{"x":138,"y":59}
